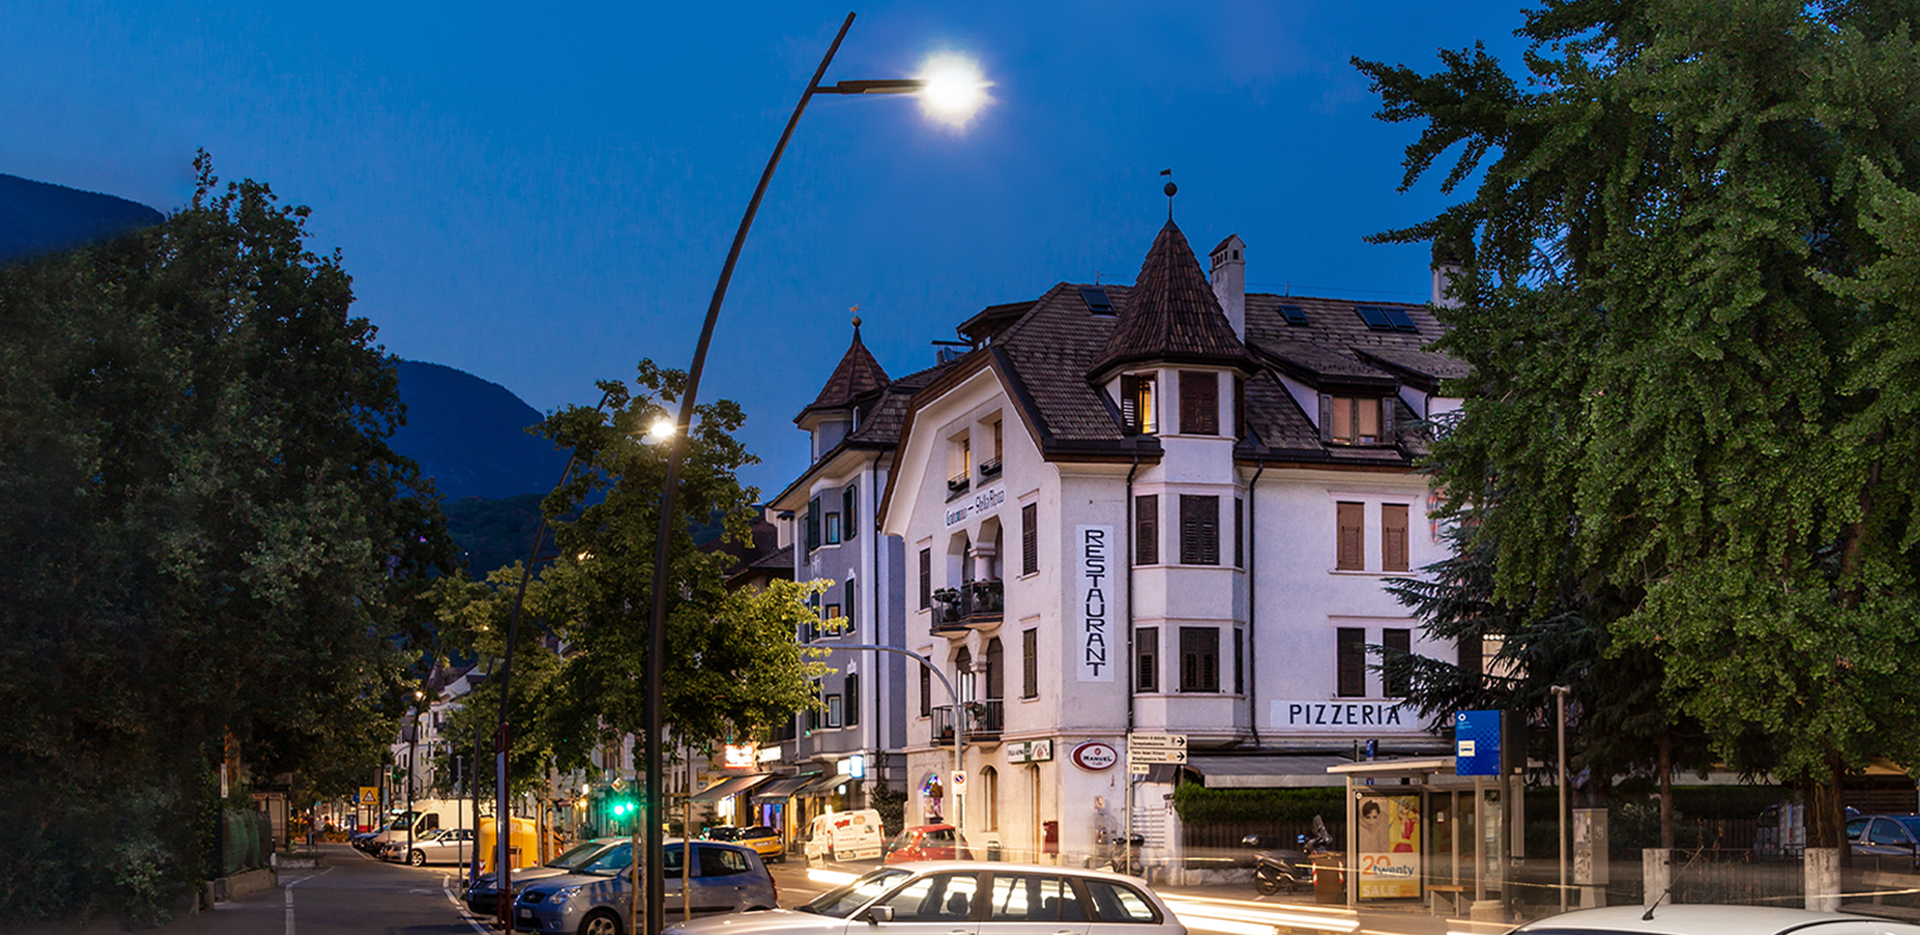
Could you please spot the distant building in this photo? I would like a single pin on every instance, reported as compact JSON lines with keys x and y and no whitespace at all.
{"x":1161,"y":508}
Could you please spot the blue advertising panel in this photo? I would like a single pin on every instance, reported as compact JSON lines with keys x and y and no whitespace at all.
{"x":1476,"y":743}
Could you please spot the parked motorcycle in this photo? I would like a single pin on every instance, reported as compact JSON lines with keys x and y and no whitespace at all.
{"x":1114,"y":856}
{"x":1276,"y":868}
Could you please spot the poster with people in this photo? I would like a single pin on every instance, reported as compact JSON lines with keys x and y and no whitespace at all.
{"x":1389,"y":846}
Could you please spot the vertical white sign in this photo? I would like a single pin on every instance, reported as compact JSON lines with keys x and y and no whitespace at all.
{"x":1097,"y":639}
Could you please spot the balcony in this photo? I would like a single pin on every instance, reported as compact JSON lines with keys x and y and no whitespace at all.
{"x":985,"y":720}
{"x":958,"y":484}
{"x":989,"y":469}
{"x":975,"y":605}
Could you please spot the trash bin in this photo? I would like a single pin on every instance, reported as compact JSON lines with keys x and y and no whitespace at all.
{"x":1330,"y":879}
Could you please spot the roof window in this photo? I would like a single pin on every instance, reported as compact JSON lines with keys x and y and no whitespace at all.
{"x":1294,"y":314}
{"x":1379,"y":318}
{"x":1097,"y":301}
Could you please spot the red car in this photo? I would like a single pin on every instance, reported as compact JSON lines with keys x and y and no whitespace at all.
{"x":927,"y":842}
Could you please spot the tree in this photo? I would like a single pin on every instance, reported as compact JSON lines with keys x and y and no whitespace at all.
{"x":219,"y":556}
{"x":1676,"y":390}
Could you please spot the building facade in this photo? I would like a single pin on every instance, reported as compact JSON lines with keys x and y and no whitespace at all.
{"x":1165,"y":508}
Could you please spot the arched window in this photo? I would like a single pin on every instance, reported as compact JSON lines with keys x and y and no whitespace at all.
{"x":990,"y":797}
{"x":996,"y":672}
{"x":963,"y":674}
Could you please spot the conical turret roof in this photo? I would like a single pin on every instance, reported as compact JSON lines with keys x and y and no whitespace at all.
{"x":1171,"y":313}
{"x":857,"y":375}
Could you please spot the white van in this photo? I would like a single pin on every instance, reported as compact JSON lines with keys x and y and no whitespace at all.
{"x":845,"y":836}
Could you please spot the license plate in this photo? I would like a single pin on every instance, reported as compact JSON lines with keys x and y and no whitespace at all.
{"x":526,"y":914}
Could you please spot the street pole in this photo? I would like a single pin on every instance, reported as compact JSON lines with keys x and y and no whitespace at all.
{"x":1560,"y":760}
{"x":959,"y":719}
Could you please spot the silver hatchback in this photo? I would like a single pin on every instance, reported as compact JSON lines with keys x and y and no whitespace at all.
{"x":725,"y":878}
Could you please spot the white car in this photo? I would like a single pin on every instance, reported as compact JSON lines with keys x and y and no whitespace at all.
{"x":979,"y":898}
{"x":1684,"y":919}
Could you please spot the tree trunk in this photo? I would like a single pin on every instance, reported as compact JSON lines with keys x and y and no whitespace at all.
{"x":1666,"y":789}
{"x":1826,"y":813}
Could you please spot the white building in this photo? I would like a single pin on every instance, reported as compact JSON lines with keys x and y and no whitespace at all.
{"x":1159,"y":508}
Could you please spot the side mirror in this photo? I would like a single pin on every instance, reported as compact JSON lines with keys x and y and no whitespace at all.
{"x":878,"y":914}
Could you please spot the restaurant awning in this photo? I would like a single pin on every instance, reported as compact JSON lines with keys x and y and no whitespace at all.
{"x":823,"y":785}
{"x":1266,"y":772}
{"x":783,"y":787}
{"x":730,"y":786}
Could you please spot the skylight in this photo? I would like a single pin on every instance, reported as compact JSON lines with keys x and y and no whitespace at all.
{"x":1096,"y":299}
{"x":1294,"y":314}
{"x":1386,"y":319}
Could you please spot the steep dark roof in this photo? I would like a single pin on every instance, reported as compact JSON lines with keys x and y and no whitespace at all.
{"x":857,"y":375}
{"x":880,"y":420}
{"x":1171,"y":313}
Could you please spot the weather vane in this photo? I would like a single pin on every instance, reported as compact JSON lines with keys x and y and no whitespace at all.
{"x":1170,"y":189}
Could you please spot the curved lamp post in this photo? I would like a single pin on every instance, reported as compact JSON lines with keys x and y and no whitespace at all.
{"x":657,"y":636}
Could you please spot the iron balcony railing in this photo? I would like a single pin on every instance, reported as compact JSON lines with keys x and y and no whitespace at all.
{"x":984,"y":720}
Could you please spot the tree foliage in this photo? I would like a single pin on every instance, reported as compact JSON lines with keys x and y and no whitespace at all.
{"x":1685,"y":320}
{"x":215,"y":552}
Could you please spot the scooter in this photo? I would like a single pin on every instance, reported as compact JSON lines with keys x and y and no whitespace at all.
{"x":1276,"y":868}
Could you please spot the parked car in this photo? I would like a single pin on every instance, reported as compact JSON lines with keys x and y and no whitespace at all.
{"x":765,"y":841}
{"x":839,"y":836}
{"x":483,"y":894}
{"x":927,"y":842}
{"x":1680,"y":919}
{"x":444,"y":846}
{"x":978,"y":898}
{"x":364,"y":840}
{"x":1892,"y":841}
{"x":725,"y":878}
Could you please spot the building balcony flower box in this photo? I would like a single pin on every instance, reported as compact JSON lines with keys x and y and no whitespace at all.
{"x":989,"y":469}
{"x":985,"y":719}
{"x":973,"y":605}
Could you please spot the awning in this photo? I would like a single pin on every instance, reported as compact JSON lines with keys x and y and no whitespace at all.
{"x":730,"y":786}
{"x":823,"y":785}
{"x":1267,"y":772}
{"x":783,"y":787}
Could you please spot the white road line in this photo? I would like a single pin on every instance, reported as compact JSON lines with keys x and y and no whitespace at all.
{"x":289,"y":885}
{"x":473,"y":921}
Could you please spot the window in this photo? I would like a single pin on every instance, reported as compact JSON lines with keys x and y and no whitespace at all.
{"x":1199,"y":402}
{"x":1030,"y":539}
{"x":996,"y":669}
{"x":963,"y":674}
{"x":721,"y":862}
{"x":1146,"y":529}
{"x":1355,"y":420}
{"x":1136,"y":404}
{"x":990,"y":796}
{"x":832,"y":535}
{"x":1393,"y":536}
{"x":1351,"y":520}
{"x":813,"y":524}
{"x":926,"y":578}
{"x":1239,"y":661}
{"x":1199,"y":530}
{"x":1030,"y":663}
{"x":1146,"y":646}
{"x":1239,"y":534}
{"x":834,"y":710}
{"x":1350,"y":648}
{"x":813,"y":712}
{"x":944,"y":898}
{"x":849,"y":598}
{"x":851,"y":689}
{"x":1239,"y":407}
{"x":1199,"y":659}
{"x":1029,"y":899}
{"x":926,"y":690}
{"x":1118,"y":902}
{"x":831,"y":621}
{"x":850,"y":508}
{"x":992,"y":467}
{"x":1397,"y":642}
{"x":959,"y":464}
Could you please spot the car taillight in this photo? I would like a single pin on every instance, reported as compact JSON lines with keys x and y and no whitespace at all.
{"x":776,"y":889}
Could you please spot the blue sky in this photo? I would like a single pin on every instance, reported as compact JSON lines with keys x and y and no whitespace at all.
{"x":542,"y":196}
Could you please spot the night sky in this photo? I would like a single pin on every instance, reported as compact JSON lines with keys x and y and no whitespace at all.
{"x":543,"y":195}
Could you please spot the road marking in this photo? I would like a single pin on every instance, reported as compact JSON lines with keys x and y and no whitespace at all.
{"x":473,"y":921}
{"x":288,"y":886}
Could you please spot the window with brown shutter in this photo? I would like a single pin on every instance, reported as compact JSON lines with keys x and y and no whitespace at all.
{"x":926,"y":578}
{"x":1136,"y":403}
{"x":1350,"y":519}
{"x":1146,"y":529}
{"x":1199,"y":402}
{"x":1199,"y":530}
{"x":850,"y":511}
{"x":1146,"y":654}
{"x":1393,"y":536}
{"x":1029,"y":538}
{"x":1350,"y":648}
{"x":1030,"y":663}
{"x":996,"y":669}
{"x":1239,"y":407}
{"x":1239,"y":661}
{"x":926,"y":690}
{"x":1199,"y":659}
{"x":1239,"y":534}
{"x":1397,"y":642}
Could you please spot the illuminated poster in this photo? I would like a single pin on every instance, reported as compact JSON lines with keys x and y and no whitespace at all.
{"x":1389,"y":839}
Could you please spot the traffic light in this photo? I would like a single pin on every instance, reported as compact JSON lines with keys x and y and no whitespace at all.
{"x":621,"y":807}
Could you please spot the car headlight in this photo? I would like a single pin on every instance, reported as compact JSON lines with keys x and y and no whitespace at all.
{"x":565,"y":893}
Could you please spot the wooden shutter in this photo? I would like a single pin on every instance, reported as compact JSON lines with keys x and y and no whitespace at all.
{"x":1351,"y":652}
{"x":1393,"y":537}
{"x":1199,"y":530}
{"x":1386,"y":419}
{"x":813,"y":524}
{"x":996,"y":669}
{"x":1239,"y":533}
{"x":850,"y":512}
{"x":1199,"y":659}
{"x":1239,"y":661}
{"x":1130,"y":404}
{"x":1350,"y":519}
{"x":852,"y":693}
{"x":1239,"y":407}
{"x":1146,"y":529}
{"x":1030,"y":664}
{"x":1397,"y":642}
{"x":1029,"y":539}
{"x":926,"y":578}
{"x":1199,"y":402}
{"x":1326,"y":417}
{"x":1146,"y":643}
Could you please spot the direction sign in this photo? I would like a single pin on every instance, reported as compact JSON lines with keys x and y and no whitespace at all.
{"x":1156,"y":756}
{"x":1170,"y":741}
{"x":1138,"y":769}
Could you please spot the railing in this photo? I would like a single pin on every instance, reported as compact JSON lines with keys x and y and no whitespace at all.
{"x":989,"y":468}
{"x":958,"y":484}
{"x":984,"y":720}
{"x":975,"y":602}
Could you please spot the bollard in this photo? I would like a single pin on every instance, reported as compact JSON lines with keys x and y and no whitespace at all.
{"x":1656,"y":874}
{"x":1823,"y":879}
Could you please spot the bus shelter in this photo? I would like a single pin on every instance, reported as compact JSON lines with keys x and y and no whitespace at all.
{"x":1417,"y":831}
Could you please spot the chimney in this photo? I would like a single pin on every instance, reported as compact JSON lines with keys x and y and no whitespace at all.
{"x":1447,"y":267}
{"x":1230,"y":282}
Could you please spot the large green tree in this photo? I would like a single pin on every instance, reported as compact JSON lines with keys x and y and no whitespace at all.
{"x":1680,"y":384}
{"x":215,"y":552}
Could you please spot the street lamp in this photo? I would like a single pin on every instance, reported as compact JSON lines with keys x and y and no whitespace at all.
{"x":1560,"y":693}
{"x":657,"y":636}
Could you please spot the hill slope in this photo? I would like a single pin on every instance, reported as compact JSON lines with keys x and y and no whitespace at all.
{"x":469,"y":435}
{"x":40,"y":217}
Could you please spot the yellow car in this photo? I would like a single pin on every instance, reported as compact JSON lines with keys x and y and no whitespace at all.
{"x":764,"y":840}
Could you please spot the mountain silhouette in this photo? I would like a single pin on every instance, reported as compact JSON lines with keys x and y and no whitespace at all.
{"x":40,"y":217}
{"x":470,"y":436}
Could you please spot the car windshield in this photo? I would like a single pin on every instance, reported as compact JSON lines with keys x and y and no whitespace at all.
{"x":842,"y":901}
{"x":617,"y":859}
{"x":723,"y":834}
{"x":901,"y":840}
{"x":577,"y":856}
{"x":1912,"y":822}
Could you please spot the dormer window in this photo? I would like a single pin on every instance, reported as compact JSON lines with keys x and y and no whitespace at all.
{"x":1355,"y":420}
{"x":959,"y":464}
{"x":991,"y":466}
{"x":1137,"y":414}
{"x":1199,"y":402}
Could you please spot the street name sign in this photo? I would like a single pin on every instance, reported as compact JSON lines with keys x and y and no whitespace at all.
{"x":1156,"y":748}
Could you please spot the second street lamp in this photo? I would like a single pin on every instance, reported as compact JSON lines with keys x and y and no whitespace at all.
{"x":676,"y":450}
